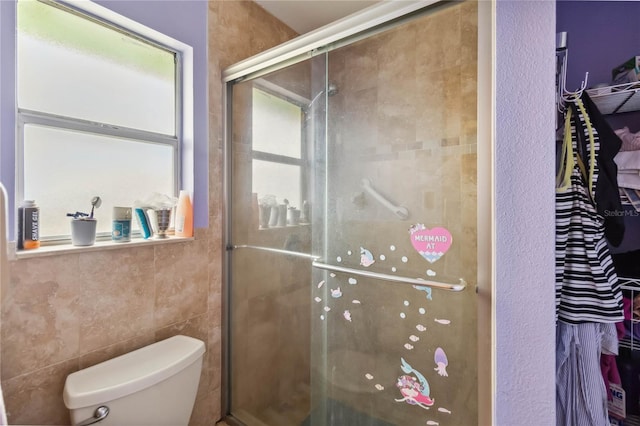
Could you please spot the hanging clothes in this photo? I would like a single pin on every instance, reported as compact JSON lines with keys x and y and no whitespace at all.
{"x":581,"y":396}
{"x":587,"y":287}
{"x":607,"y":190}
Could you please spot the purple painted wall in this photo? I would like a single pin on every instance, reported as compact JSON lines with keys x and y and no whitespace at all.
{"x":601,"y":35}
{"x":7,"y":103}
{"x":183,"y":20}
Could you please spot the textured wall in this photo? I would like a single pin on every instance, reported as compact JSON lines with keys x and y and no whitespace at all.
{"x":524,"y":209}
{"x":67,"y":312}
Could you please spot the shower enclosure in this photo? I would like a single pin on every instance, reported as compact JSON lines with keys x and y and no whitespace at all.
{"x":358,"y":229}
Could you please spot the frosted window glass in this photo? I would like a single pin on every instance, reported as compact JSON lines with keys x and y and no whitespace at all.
{"x":276,"y":126}
{"x":65,"y":169}
{"x":71,"y":66}
{"x":281,"y":180}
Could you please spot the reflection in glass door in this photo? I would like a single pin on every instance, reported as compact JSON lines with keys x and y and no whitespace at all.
{"x":354,"y":232}
{"x":401,"y":198}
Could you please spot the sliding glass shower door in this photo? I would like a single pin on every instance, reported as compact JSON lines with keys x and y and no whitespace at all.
{"x":354,"y":240}
{"x":394,"y":339}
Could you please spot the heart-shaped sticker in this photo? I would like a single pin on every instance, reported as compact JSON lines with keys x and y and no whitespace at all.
{"x":433,"y":243}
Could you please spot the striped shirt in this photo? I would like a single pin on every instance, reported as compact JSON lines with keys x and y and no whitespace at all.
{"x":587,"y":287}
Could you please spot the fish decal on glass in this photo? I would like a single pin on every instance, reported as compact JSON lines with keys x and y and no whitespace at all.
{"x":347,"y":315}
{"x":414,"y":387}
{"x":425,"y":289}
{"x":366,"y":258}
{"x":441,"y":361}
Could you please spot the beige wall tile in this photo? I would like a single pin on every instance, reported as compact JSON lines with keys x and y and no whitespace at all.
{"x":115,"y":350}
{"x":62,"y":313}
{"x":35,"y":398}
{"x":181,"y":279}
{"x":116,"y":295}
{"x":40,"y":314}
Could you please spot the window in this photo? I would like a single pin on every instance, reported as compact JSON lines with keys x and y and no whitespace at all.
{"x":277,"y":148}
{"x":99,"y":112}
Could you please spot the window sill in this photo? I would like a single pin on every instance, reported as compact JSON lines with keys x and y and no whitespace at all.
{"x":57,"y":249}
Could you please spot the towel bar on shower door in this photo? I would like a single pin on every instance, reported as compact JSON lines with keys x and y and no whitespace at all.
{"x":459,"y":286}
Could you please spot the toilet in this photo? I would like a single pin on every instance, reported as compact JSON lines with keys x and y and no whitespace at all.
{"x":155,"y":385}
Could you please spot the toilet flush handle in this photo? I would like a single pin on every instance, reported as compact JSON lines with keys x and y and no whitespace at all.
{"x":100,"y":414}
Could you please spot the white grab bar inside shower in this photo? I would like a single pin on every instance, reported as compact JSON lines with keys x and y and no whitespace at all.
{"x":316,"y":263}
{"x":400,"y":211}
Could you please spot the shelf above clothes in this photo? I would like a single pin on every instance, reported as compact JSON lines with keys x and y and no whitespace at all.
{"x":616,"y":99}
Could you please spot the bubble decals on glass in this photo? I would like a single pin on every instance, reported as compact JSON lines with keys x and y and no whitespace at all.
{"x":405,"y":259}
{"x":353,"y":281}
{"x":402,"y":315}
{"x":422,"y":311}
{"x":392,"y":248}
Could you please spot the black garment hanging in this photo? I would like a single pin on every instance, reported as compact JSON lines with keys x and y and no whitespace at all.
{"x":607,"y":193}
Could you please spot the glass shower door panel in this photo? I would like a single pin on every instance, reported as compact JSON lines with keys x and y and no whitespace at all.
{"x":269,"y":273}
{"x":401,"y":201}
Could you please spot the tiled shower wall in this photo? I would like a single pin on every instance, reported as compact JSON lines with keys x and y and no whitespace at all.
{"x":66,"y":312}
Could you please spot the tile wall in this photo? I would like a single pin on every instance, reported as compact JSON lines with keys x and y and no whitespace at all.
{"x":67,"y":312}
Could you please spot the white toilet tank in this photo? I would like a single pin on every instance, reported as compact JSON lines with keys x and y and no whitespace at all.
{"x":155,"y":385}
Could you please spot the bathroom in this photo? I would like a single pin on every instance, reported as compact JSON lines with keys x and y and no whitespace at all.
{"x":76,"y":310}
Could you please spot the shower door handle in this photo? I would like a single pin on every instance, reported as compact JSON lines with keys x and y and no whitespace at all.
{"x":459,"y":286}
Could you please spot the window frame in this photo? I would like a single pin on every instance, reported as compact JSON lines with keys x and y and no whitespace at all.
{"x":184,"y":116}
{"x":302,"y":103}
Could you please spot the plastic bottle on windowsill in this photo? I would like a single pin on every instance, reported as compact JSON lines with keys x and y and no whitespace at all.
{"x":184,"y":216}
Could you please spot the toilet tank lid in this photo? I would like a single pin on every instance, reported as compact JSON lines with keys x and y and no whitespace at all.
{"x":131,"y":372}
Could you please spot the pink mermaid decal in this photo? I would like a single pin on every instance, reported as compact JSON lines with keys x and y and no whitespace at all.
{"x":414,"y":389}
